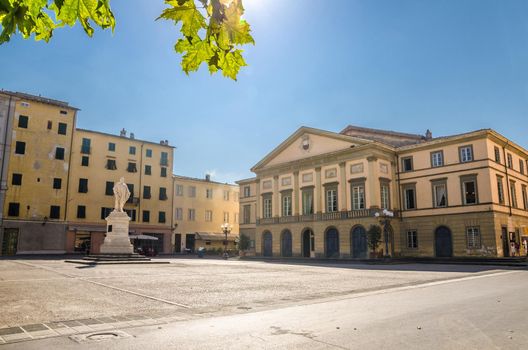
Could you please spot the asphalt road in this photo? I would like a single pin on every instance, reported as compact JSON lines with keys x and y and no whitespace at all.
{"x":418,"y":307}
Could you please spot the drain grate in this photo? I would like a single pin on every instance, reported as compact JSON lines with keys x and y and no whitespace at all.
{"x":99,"y":336}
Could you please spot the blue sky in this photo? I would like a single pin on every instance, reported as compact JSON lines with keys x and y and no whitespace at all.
{"x":448,"y":65}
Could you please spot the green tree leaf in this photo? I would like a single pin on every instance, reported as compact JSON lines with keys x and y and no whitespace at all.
{"x":212,"y":30}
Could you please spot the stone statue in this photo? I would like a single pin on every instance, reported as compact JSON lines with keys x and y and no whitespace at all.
{"x":121,"y":193}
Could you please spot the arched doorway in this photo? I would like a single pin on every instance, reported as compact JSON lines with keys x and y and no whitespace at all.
{"x":332,"y":243}
{"x":267,"y":244}
{"x":308,"y":243}
{"x":358,"y":239}
{"x":286,"y":243}
{"x":443,"y":242}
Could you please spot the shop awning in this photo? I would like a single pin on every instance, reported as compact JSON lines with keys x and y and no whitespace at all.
{"x":144,"y":237}
{"x":214,"y":236}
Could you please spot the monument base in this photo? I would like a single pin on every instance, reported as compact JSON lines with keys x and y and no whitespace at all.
{"x":117,"y":241}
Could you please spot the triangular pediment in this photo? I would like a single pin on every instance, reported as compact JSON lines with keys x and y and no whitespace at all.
{"x":306,"y":143}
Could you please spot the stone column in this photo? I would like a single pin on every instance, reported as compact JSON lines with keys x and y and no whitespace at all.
{"x":296,"y":196}
{"x":343,"y":202}
{"x":258,"y":202}
{"x":318,"y":192}
{"x":373,"y":187}
{"x":276,"y":197}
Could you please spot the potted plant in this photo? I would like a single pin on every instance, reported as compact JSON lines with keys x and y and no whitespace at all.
{"x":374,"y":239}
{"x":243,"y":244}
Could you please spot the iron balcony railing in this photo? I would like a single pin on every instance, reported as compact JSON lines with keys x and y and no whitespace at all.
{"x":336,"y":215}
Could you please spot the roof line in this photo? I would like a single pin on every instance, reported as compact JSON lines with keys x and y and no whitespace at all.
{"x":41,"y":99}
{"x":389,"y":132}
{"x":123,"y":137}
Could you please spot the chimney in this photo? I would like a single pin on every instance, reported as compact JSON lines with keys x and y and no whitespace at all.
{"x":428,"y":135}
{"x":132,"y":136}
{"x":207,"y":177}
{"x":166,"y":142}
{"x":122,"y":133}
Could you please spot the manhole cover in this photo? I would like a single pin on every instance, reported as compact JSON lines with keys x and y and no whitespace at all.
{"x":99,"y":336}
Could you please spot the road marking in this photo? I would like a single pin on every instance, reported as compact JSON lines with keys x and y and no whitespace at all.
{"x":86,"y":279}
{"x":416,"y":286}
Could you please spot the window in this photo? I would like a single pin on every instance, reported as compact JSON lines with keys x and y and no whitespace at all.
{"x":148,"y":153}
{"x":83,"y":185}
{"x":510,"y":160}
{"x":146,"y":192}
{"x":331,"y":199}
{"x":521,"y":166}
{"x":50,"y":125}
{"x":208,"y":193}
{"x":63,"y":112}
{"x":500,"y":189}
{"x":85,"y":146}
{"x":191,"y":191}
{"x":111,"y":146}
{"x":16,"y":180}
{"x":439,"y":194}
{"x":247,"y":191}
{"x":109,"y":189}
{"x":54,"y":212}
{"x":62,"y":128}
{"x":473,"y":237}
{"x":208,"y":215}
{"x":163,"y":172}
{"x":267,"y":207}
{"x":148,"y":170}
{"x":59,"y":153}
{"x":412,"y":239}
{"x":191,"y":214}
{"x":24,"y":104}
{"x":358,"y":196}
{"x":513,"y":193}
{"x":525,"y":197}
{"x":469,"y":190}
{"x":162,"y":194}
{"x":466,"y":154}
{"x":287,"y":204}
{"x":13,"y":209}
{"x":161,"y":217}
{"x":131,"y":168}
{"x":179,"y":214}
{"x":407,"y":164}
{"x":307,"y":201}
{"x":81,"y":212}
{"x":105,"y":212}
{"x":146,"y":216}
{"x":246,"y":209}
{"x":179,"y":190}
{"x":437,"y":159}
{"x":132,"y":150}
{"x":226,"y":195}
{"x":496,"y":150}
{"x":164,"y":160}
{"x":23,"y":121}
{"x":226,"y":216}
{"x":410,"y":197}
{"x":385,"y":195}
{"x":57,"y":183}
{"x":131,"y":189}
{"x":20,"y":147}
{"x":85,"y":160}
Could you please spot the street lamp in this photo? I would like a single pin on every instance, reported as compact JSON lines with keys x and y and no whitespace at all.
{"x":385,"y":218}
{"x":226,"y":228}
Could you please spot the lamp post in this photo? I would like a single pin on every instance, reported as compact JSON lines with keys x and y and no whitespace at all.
{"x":226,"y":228}
{"x":385,"y":218}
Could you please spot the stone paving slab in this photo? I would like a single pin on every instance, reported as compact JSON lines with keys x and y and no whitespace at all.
{"x":10,"y":331}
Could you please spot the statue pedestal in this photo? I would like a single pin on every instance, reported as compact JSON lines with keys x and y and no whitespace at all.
{"x":117,"y":240}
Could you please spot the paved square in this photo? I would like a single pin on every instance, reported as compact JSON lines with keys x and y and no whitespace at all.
{"x":71,"y":298}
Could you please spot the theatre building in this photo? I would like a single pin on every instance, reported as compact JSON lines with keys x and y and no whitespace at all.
{"x":318,"y":192}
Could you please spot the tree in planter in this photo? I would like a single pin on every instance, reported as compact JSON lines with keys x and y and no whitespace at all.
{"x":374,"y":238}
{"x":244,"y":242}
